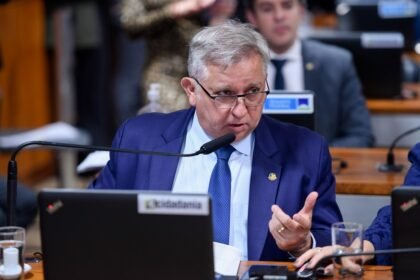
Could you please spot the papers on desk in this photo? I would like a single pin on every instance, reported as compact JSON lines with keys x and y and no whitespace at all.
{"x":226,"y":259}
{"x":56,"y":132}
{"x":93,"y":162}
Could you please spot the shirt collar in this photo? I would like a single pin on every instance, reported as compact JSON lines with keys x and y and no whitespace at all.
{"x":198,"y":137}
{"x":293,"y":53}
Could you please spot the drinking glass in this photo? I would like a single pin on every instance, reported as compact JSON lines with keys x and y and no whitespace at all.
{"x":12,"y":243}
{"x":347,"y":237}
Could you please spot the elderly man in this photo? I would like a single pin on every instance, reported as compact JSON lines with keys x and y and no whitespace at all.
{"x":280,"y":189}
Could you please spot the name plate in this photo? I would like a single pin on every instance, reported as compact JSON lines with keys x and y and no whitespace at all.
{"x":397,"y":9}
{"x":289,"y":103}
{"x":172,"y":204}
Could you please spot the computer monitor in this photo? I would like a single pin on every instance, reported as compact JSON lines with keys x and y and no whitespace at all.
{"x":116,"y":234}
{"x":295,"y":107}
{"x":379,"y":15}
{"x":406,"y":231}
{"x":377,"y":58}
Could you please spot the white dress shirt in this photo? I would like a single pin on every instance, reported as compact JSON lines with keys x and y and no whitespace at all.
{"x":292,"y":70}
{"x":193,"y":176}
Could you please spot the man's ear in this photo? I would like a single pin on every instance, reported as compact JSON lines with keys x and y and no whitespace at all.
{"x":189,"y":86}
{"x":250,"y":17}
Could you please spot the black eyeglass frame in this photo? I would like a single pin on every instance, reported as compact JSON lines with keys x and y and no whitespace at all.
{"x":213,"y":97}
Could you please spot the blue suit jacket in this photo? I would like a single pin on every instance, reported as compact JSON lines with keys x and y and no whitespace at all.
{"x":299,"y":158}
{"x":380,"y":231}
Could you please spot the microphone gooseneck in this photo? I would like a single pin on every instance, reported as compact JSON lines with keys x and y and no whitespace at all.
{"x":12,"y":169}
{"x":377,"y":252}
{"x":317,"y":270}
{"x":390,"y":165}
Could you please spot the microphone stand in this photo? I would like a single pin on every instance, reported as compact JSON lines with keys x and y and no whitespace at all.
{"x":390,"y":165}
{"x":12,"y":169}
{"x":327,"y":259}
{"x":377,"y":252}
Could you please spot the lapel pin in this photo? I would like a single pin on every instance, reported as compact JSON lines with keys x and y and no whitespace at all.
{"x":272,"y":176}
{"x":310,"y":66}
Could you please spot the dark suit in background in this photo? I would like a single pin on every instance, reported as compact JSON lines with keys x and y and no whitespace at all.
{"x":341,"y":115}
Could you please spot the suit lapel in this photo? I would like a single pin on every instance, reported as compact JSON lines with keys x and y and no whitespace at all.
{"x":310,"y":65}
{"x":265,"y":181}
{"x":162,"y":169}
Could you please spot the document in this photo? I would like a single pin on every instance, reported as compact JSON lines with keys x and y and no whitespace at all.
{"x":226,"y":259}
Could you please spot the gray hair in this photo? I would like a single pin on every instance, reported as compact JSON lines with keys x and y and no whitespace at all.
{"x":224,"y":45}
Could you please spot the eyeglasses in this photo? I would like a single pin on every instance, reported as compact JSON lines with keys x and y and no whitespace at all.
{"x":227,"y":99}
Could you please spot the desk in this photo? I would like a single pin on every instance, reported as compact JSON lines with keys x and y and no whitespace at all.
{"x":361,"y":176}
{"x":397,"y":106}
{"x":371,"y":272}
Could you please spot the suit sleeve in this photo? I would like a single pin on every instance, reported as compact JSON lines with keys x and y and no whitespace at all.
{"x":413,"y":175}
{"x":355,"y":127}
{"x":326,"y":210}
{"x":379,"y":234}
{"x":107,"y":177}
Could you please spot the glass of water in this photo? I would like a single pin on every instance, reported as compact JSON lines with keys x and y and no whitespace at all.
{"x":347,"y":237}
{"x":12,"y":243}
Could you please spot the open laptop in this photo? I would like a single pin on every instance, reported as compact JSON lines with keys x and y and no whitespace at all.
{"x":406,"y":231}
{"x":297,"y":107}
{"x":97,"y":234}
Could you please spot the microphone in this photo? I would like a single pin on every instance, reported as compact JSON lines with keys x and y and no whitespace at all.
{"x":318,"y":268}
{"x":390,"y":165}
{"x":217,"y":143}
{"x":12,"y":169}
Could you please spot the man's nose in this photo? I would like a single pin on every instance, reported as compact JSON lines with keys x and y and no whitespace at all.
{"x":279,"y":13}
{"x":240,"y":108}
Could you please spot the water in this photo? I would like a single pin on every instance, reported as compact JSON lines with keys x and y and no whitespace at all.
{"x":349,"y":267}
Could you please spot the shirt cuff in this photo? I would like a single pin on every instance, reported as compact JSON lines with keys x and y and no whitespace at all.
{"x":292,"y":257}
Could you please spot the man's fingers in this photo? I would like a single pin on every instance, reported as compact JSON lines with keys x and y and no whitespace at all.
{"x":309,"y":204}
{"x":283,"y":218}
{"x":303,"y":221}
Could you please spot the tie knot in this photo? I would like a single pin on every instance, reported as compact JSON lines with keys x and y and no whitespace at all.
{"x":278,"y":63}
{"x":224,"y":152}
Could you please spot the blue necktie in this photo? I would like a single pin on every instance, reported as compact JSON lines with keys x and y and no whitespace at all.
{"x":219,"y":190}
{"x":279,"y":80}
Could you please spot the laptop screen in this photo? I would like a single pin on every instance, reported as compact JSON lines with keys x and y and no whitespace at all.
{"x":96,"y":234}
{"x":406,"y":231}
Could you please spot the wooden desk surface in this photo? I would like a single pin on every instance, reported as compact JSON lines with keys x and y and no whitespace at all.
{"x":371,"y":272}
{"x":361,"y":176}
{"x":397,"y":106}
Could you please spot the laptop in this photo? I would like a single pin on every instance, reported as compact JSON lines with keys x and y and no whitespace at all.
{"x":406,"y":231}
{"x":115,"y":234}
{"x":296,"y":107}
